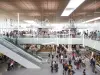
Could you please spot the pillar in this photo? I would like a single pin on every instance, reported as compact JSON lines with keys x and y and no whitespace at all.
{"x":18,"y":23}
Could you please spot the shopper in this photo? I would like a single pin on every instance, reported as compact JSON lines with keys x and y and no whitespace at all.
{"x":91,"y":61}
{"x":93,"y":65}
{"x":69,"y":69}
{"x":70,"y":61}
{"x":48,"y":57}
{"x":65,"y":68}
{"x":73,"y":55}
{"x":12,"y":64}
{"x":52,"y":66}
{"x":84,"y":72}
{"x":56,"y":66}
{"x":80,"y":62}
{"x":52,"y":56}
{"x":61,"y":58}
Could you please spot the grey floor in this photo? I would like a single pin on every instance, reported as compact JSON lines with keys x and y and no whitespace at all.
{"x":46,"y":71}
{"x":3,"y":68}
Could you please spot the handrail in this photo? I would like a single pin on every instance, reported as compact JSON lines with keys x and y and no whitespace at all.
{"x":11,"y":41}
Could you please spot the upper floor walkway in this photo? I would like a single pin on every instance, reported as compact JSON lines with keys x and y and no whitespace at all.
{"x":77,"y":40}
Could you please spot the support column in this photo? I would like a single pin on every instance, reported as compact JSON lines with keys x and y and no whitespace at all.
{"x":69,"y":43}
{"x":69,"y":48}
{"x":83,"y":39}
{"x":69,"y":33}
{"x":56,"y":48}
{"x":18,"y":23}
{"x":6,"y":27}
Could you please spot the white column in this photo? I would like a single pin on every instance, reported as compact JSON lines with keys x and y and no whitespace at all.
{"x":69,"y":33}
{"x":69,"y":48}
{"x":1,"y":28}
{"x":57,"y":41}
{"x":83,"y":39}
{"x":18,"y":22}
{"x":69,"y":42}
{"x":5,"y":26}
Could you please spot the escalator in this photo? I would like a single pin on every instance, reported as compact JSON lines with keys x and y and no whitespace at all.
{"x":27,"y":58}
{"x":34,"y":54}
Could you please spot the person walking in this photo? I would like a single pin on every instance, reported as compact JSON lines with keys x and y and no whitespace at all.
{"x":69,"y":69}
{"x":84,"y":72}
{"x":65,"y":68}
{"x":12,"y":64}
{"x":61,"y":59}
{"x":56,"y":66}
{"x":52,"y":56}
{"x":70,"y":61}
{"x":52,"y":66}
{"x":80,"y":62}
{"x":48,"y":57}
{"x":93,"y":65}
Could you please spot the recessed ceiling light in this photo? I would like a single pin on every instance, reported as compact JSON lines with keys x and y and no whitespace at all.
{"x":95,"y":19}
{"x":35,"y":24}
{"x":72,"y":5}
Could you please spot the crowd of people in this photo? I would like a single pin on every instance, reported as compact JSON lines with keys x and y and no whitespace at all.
{"x":42,"y":34}
{"x":95,"y":35}
{"x":71,"y":62}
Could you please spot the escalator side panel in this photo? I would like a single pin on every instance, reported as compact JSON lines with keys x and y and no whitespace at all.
{"x":24,"y":62}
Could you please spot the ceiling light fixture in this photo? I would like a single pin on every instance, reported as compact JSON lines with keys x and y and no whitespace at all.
{"x":72,"y":5}
{"x":29,"y":21}
{"x":98,"y":18}
{"x":35,"y":24}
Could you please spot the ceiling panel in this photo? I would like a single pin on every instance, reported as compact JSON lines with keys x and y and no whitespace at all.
{"x":27,"y":5}
{"x":51,"y":9}
{"x":7,"y":6}
{"x":34,"y":14}
{"x":92,"y":6}
{"x":49,"y":5}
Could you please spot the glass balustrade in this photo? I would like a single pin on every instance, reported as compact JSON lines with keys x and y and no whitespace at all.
{"x":47,"y":36}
